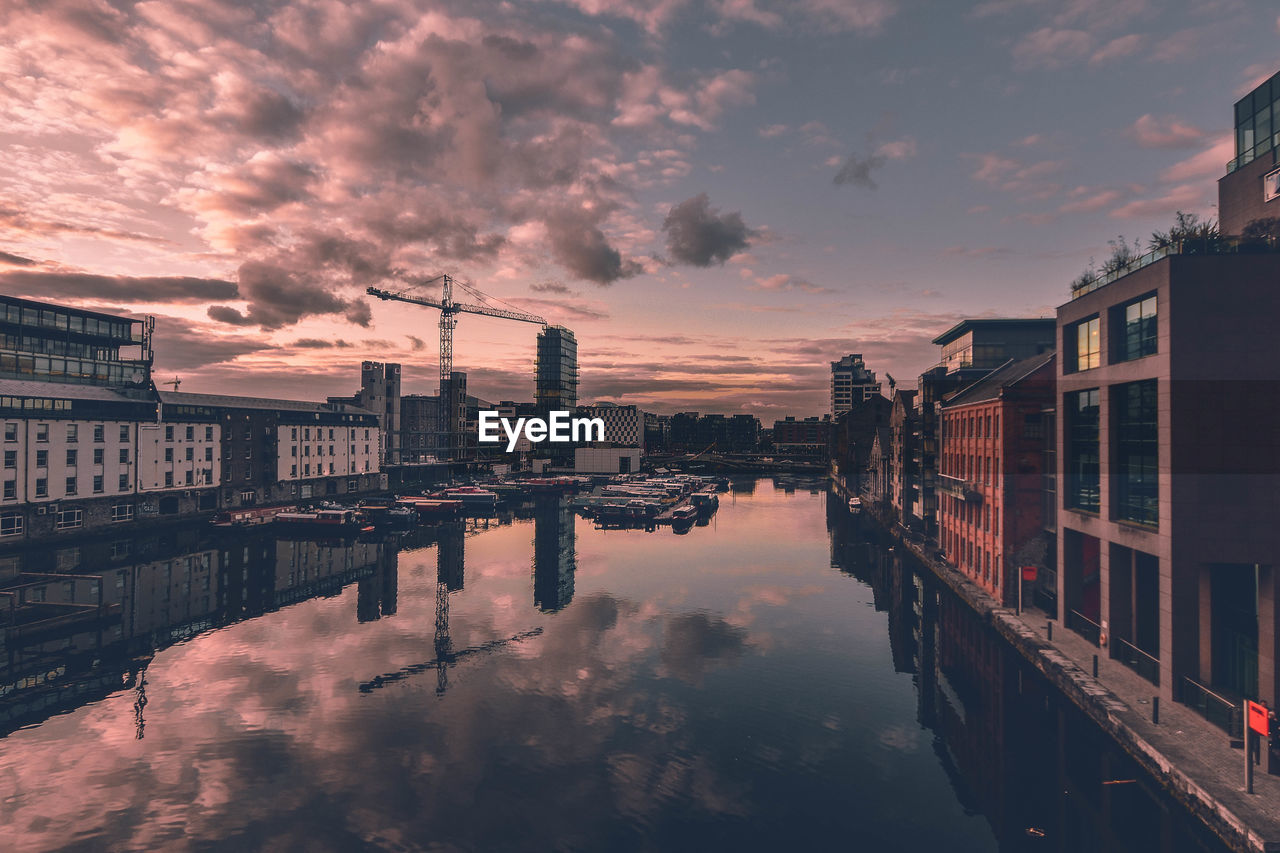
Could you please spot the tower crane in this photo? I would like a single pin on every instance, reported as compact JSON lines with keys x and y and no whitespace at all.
{"x":449,"y":310}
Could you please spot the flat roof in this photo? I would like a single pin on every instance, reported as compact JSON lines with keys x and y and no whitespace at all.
{"x":183,"y":398}
{"x":62,"y":390}
{"x":970,"y":325}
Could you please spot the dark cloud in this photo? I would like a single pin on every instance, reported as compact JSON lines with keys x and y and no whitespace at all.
{"x":549,"y":287}
{"x":416,"y":342}
{"x":700,"y":235}
{"x":278,"y":297}
{"x":320,"y":343}
{"x":857,"y":171}
{"x":582,"y":249}
{"x":181,"y":344}
{"x":126,"y":289}
{"x":16,"y":260}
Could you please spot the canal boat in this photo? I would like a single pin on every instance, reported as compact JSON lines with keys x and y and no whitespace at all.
{"x":855,"y":505}
{"x":390,"y":515}
{"x":324,"y":521}
{"x":705,"y":501}
{"x":470,"y":496}
{"x":686,"y":512}
{"x":250,"y":516}
{"x":432,"y":509}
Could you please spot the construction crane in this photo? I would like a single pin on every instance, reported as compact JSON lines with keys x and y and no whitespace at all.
{"x":449,"y":311}
{"x":175,"y":382}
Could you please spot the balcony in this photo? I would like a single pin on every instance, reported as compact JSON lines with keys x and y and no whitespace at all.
{"x":958,"y":488}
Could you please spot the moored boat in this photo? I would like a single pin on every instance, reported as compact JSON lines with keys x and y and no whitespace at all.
{"x":249,"y":516}
{"x":325,"y":520}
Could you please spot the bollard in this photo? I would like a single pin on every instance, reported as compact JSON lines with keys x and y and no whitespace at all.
{"x":1095,"y":666}
{"x":1155,"y":710}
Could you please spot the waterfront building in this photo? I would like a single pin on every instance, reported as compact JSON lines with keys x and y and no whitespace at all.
{"x":1169,"y":459}
{"x":851,"y":383}
{"x":808,"y":437}
{"x":557,"y":370}
{"x":623,"y":425}
{"x":54,"y":343}
{"x":970,"y":350}
{"x":276,"y":451}
{"x":852,"y":435}
{"x":903,"y":477}
{"x":380,"y":394}
{"x":876,"y":481}
{"x":990,"y":478}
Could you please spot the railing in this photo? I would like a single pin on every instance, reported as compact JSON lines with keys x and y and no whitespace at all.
{"x":1223,"y":713}
{"x":1084,"y":626}
{"x":1138,"y":660}
{"x":1203,"y":246}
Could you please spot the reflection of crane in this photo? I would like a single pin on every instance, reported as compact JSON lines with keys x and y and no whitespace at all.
{"x":892,"y":383}
{"x":449,"y":578}
{"x":449,"y":310}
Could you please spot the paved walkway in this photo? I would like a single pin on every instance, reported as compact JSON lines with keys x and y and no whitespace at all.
{"x":1184,"y":742}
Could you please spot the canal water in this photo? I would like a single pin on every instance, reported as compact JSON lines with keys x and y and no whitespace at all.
{"x":775,"y":678}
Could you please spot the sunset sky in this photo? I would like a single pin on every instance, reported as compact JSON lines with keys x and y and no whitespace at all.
{"x":717,"y":197}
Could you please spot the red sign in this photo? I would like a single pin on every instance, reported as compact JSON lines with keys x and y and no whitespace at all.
{"x":1258,"y":721}
{"x":1028,"y":573}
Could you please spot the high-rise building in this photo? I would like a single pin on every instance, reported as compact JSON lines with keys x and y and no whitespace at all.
{"x":380,"y":394}
{"x":557,"y":370}
{"x":851,"y":383}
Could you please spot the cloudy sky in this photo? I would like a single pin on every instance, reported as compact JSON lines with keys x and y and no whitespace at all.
{"x":717,"y":197}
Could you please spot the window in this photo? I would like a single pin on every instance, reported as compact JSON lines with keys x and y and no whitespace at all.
{"x":99,"y":486}
{"x":42,"y":459}
{"x":42,"y":432}
{"x":293,"y":470}
{"x":168,"y":433}
{"x":99,"y":433}
{"x":10,"y":524}
{"x":190,"y":478}
{"x":168,"y":454}
{"x":1136,"y":447}
{"x":98,"y":454}
{"x":71,"y":485}
{"x":42,"y":487}
{"x":73,"y":433}
{"x":191,"y":453}
{"x":68,"y":519}
{"x":124,"y":433}
{"x":10,"y":432}
{"x":331,"y":433}
{"x":293,"y":433}
{"x":72,"y":456}
{"x":122,"y":512}
{"x":1088,"y":337}
{"x":191,"y":433}
{"x":10,"y":490}
{"x":208,"y":433}
{"x":1082,"y":450}
{"x":124,"y":456}
{"x":11,"y":459}
{"x":1138,"y":319}
{"x":208,"y":454}
{"x":208,"y":475}
{"x":168,"y":479}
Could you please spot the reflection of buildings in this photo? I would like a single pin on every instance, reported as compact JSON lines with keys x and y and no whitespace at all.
{"x":76,"y":620}
{"x":1044,"y":776}
{"x":554,"y":559}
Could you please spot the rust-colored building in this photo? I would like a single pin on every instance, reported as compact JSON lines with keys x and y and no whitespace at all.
{"x":991,"y":460}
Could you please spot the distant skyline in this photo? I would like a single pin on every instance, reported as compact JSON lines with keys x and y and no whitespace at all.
{"x":719,"y":198}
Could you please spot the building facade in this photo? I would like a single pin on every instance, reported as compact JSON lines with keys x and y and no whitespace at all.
{"x":557,"y":370}
{"x":990,"y":479}
{"x":1250,"y":191}
{"x":851,"y":383}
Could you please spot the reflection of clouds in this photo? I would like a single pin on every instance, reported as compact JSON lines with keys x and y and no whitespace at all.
{"x":692,"y":642}
{"x":900,"y":738}
{"x":256,"y":731}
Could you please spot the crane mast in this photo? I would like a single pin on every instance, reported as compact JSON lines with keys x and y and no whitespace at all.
{"x":449,"y":417}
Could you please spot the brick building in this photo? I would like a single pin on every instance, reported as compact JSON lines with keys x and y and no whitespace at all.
{"x":991,"y":457}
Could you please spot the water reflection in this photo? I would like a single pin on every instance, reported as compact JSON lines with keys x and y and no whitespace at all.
{"x":778,"y":680}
